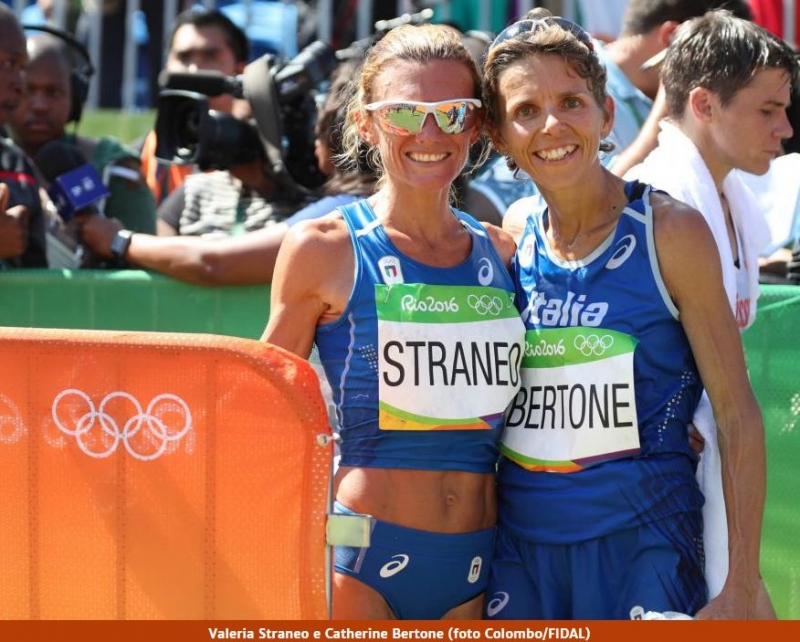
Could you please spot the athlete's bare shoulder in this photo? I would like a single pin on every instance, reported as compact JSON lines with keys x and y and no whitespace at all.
{"x":503,"y":242}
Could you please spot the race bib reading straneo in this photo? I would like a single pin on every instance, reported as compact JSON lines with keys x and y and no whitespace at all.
{"x":449,"y":356}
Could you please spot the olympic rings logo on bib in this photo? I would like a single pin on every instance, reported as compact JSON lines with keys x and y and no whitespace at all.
{"x":485,"y":305}
{"x":593,"y":344}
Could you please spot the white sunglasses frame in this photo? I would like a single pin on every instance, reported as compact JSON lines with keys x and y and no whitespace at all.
{"x":430,"y":108}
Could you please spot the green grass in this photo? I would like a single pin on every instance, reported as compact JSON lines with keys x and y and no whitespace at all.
{"x":125,"y":125}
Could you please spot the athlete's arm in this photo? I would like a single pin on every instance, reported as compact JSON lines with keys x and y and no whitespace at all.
{"x":690,"y":265}
{"x":312,"y":282}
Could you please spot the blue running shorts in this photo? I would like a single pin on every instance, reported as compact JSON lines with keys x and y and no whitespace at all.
{"x":658,"y":566}
{"x":420,"y":574}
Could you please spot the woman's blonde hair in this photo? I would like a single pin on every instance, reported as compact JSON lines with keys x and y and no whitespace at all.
{"x":412,"y":43}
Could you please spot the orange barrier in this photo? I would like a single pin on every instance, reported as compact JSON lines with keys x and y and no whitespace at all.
{"x":160,"y":476}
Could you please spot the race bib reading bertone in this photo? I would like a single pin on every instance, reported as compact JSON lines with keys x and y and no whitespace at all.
{"x":576,"y":406}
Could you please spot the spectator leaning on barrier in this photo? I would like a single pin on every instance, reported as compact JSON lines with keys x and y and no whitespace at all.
{"x":22,"y":229}
{"x":248,"y":258}
{"x":43,"y":116}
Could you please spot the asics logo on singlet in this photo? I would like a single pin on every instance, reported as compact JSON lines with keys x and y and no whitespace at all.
{"x":592,"y":344}
{"x":485,"y":305}
{"x":622,"y":252}
{"x":398,"y":563}
{"x":497,"y":603}
{"x":485,"y":272}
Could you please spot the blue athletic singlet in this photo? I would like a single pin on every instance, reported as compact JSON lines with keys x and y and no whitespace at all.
{"x":424,"y":361}
{"x":596,"y":439}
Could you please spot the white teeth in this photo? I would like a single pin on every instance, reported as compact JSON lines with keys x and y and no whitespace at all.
{"x":556,"y":154}
{"x":426,"y":158}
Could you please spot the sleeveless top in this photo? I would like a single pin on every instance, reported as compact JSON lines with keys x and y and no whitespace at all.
{"x":424,"y":360}
{"x":596,"y":439}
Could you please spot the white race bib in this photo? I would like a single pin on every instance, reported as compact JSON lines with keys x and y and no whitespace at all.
{"x":449,"y":356}
{"x":577,"y":404}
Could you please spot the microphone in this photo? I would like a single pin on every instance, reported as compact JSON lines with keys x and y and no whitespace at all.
{"x":208,"y":83}
{"x":74,"y":185}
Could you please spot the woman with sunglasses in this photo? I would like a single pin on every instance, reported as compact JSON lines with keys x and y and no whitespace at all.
{"x":410,"y":304}
{"x":620,"y":290}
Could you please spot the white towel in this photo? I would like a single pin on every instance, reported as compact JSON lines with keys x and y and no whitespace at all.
{"x":676,"y":167}
{"x":778,"y":195}
{"x":715,"y":518}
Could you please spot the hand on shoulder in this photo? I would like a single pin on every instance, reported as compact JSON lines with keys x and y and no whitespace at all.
{"x":503,"y":242}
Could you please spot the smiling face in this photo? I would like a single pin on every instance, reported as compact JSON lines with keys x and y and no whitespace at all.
{"x":747,"y":133}
{"x":430,"y":159}
{"x":549,"y":120}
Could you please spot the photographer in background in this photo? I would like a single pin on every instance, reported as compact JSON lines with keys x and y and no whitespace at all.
{"x":22,"y":229}
{"x":200,"y":40}
{"x":249,"y":258}
{"x":264,"y":166}
{"x":49,"y":104}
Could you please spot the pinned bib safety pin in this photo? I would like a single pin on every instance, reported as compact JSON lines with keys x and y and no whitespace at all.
{"x":638,"y":613}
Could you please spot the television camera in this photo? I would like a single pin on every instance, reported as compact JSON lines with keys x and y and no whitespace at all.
{"x":284,"y":110}
{"x":281,"y":131}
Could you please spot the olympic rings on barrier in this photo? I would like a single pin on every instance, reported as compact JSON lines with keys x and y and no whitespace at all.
{"x":148,"y":427}
{"x":592,"y":344}
{"x":485,"y":304}
{"x":11,"y":426}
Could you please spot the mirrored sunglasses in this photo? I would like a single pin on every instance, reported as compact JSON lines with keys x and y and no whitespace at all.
{"x":406,"y":118}
{"x":526,"y":26}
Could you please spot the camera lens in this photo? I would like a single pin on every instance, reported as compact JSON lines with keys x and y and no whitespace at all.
{"x":187,"y":120}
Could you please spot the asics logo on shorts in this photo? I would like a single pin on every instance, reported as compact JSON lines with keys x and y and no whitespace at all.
{"x":398,"y":563}
{"x":622,"y":252}
{"x":497,"y":603}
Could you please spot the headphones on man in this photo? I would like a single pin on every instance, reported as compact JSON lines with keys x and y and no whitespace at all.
{"x":81,"y":74}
